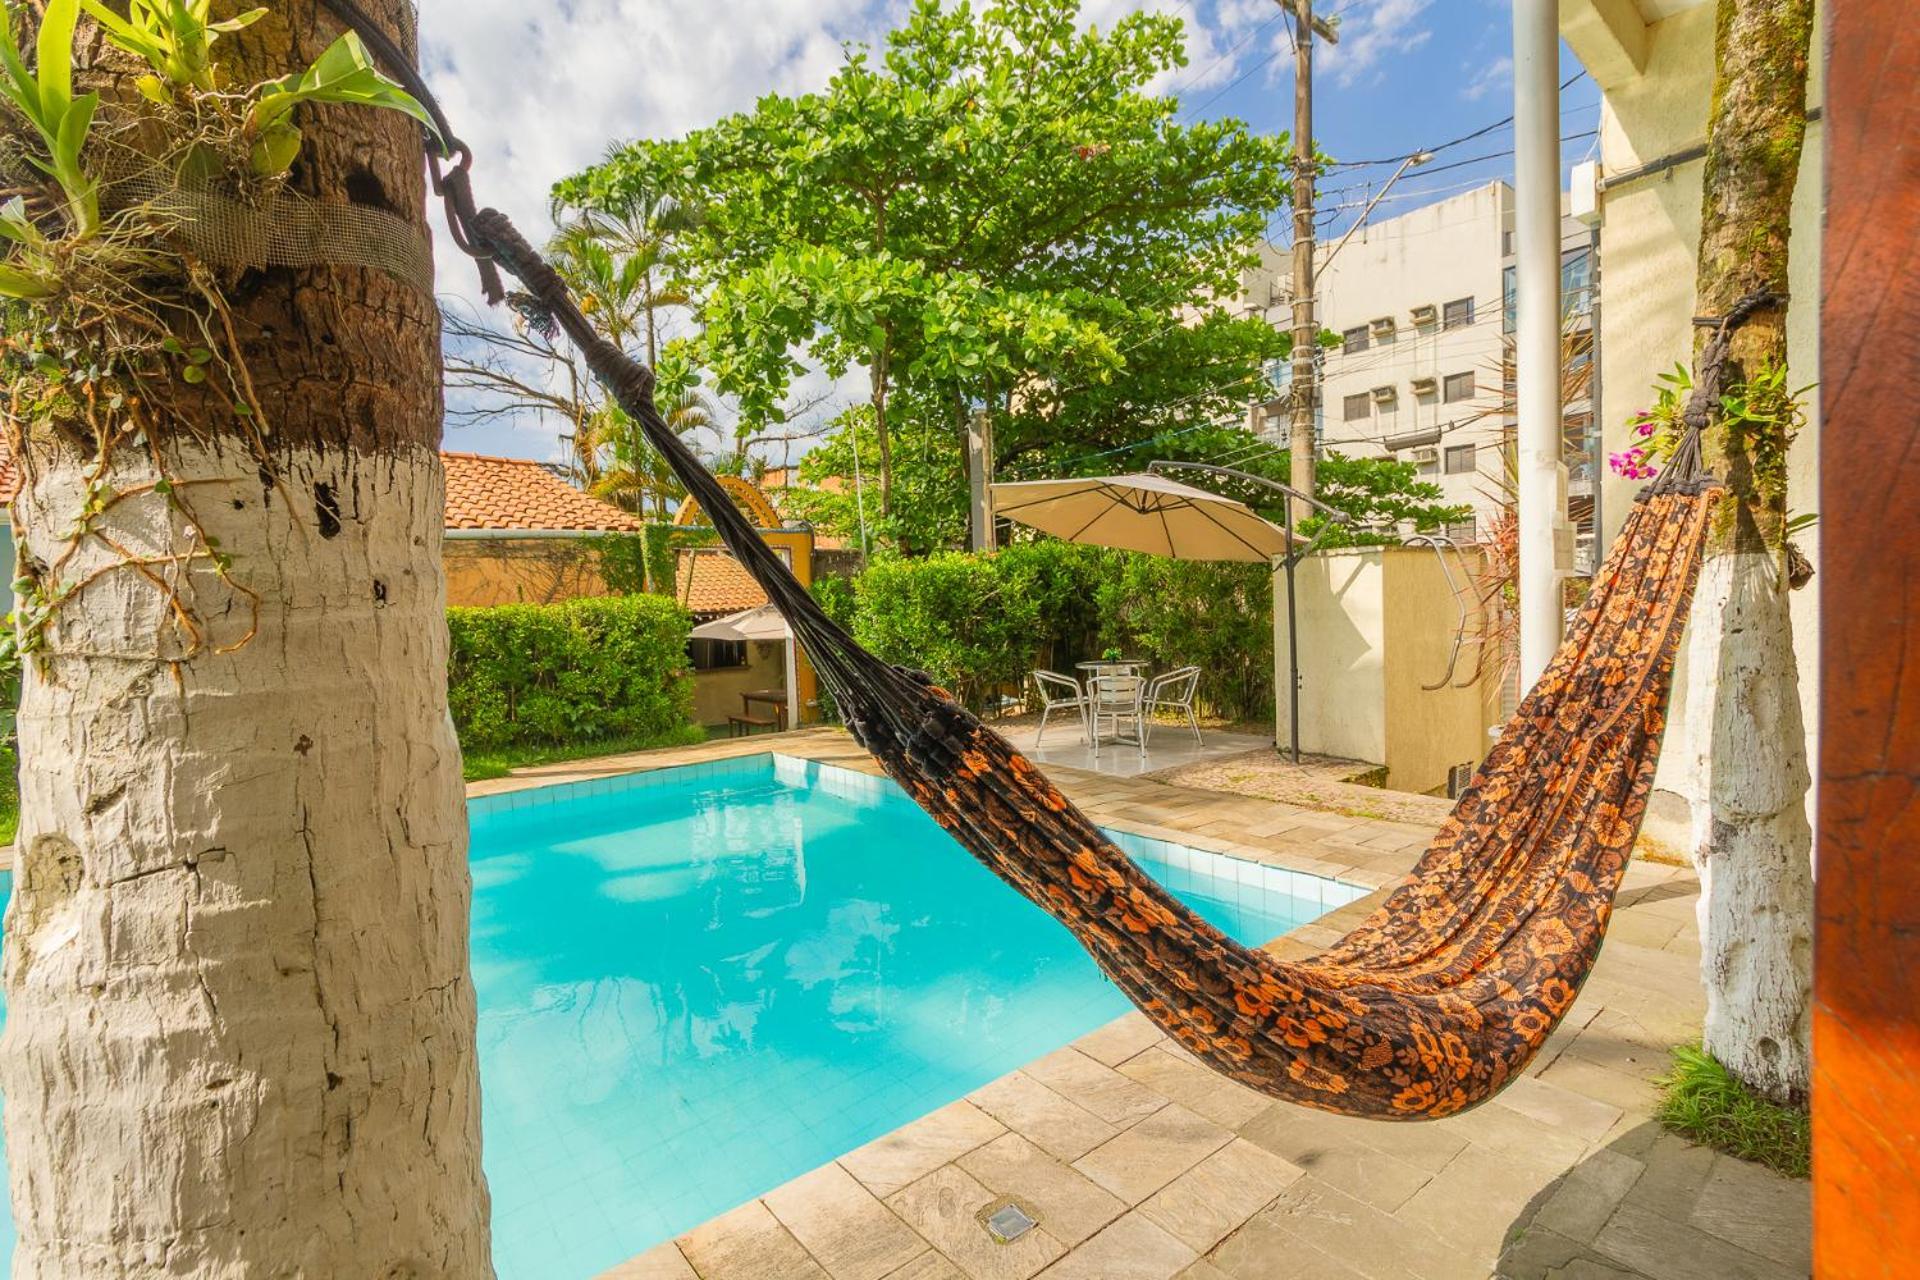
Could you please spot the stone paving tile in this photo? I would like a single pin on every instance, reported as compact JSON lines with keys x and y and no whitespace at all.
{"x":1300,"y":1134}
{"x":1062,"y":1199}
{"x":1535,"y":1252}
{"x":946,"y":1206}
{"x":664,"y":1262}
{"x":1120,"y":1039}
{"x":1145,"y":1158}
{"x":1175,"y":1074}
{"x":929,"y":1266}
{"x":1371,"y":1242}
{"x":1364,"y":1172}
{"x":1662,"y":1249}
{"x":1203,"y":1270}
{"x":843,"y":1226}
{"x":1208,"y":1201}
{"x":1096,"y":1087}
{"x":1676,"y":1172}
{"x":1131,"y":1249}
{"x":1565,"y":1110}
{"x":1028,"y":1107}
{"x":1473,"y":1202}
{"x":1265,"y":1250}
{"x":1757,"y":1209}
{"x":1580,"y":1204}
{"x":748,"y":1243}
{"x":889,"y":1163}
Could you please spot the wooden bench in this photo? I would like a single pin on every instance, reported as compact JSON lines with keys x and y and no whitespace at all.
{"x":738,"y":725}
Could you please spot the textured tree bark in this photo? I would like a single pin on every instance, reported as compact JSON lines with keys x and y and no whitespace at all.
{"x":240,"y":1024}
{"x":1752,"y":841}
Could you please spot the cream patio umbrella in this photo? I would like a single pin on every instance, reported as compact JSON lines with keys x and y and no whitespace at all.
{"x":763,"y":624}
{"x":1143,"y":512}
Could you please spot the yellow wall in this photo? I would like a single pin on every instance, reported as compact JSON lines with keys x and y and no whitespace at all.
{"x":490,"y":571}
{"x":1376,"y":623}
{"x":1649,"y":240}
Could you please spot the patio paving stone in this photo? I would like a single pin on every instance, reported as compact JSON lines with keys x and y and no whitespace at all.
{"x":1096,"y":1087}
{"x":889,"y":1163}
{"x":843,"y":1226}
{"x":946,"y":1207}
{"x":1028,"y":1107}
{"x":748,"y":1243}
{"x":1131,"y":1249}
{"x":1175,"y":1075}
{"x":1207,"y":1202}
{"x":1062,"y":1199}
{"x":1145,"y":1158}
{"x":1120,"y":1039}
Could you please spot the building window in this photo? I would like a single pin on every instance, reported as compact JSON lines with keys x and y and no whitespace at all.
{"x":1459,"y":459}
{"x":717,"y":655}
{"x":1457,"y":314}
{"x":1354,"y":339}
{"x":1467,"y":530}
{"x":1382,"y":331}
{"x":1355,"y":406}
{"x":1458,"y":386}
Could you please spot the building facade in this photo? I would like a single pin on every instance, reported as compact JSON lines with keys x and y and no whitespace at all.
{"x":1422,"y":303}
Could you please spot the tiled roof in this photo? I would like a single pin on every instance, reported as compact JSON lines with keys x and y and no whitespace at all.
{"x":714,"y":582}
{"x":516,"y":493}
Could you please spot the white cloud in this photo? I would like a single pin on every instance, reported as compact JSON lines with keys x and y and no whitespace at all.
{"x":1497,"y":74}
{"x":1371,"y":33}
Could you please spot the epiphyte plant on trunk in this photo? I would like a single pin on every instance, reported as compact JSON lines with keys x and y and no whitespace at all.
{"x":98,"y":297}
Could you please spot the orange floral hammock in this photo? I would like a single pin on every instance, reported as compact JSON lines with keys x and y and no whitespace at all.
{"x":1444,"y":993}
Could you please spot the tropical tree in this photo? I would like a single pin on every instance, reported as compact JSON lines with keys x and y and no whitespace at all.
{"x":633,"y":472}
{"x":1752,"y":843}
{"x":240,"y":1023}
{"x":990,"y":211}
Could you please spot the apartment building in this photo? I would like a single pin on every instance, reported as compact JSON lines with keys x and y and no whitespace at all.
{"x":1423,"y":304}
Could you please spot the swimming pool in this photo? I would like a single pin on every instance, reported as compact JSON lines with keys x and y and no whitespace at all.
{"x":697,"y":983}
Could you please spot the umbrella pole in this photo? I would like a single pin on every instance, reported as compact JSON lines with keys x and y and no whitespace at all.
{"x":1293,"y":641}
{"x":793,"y":686}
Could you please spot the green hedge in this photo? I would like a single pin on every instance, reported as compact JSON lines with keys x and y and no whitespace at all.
{"x":981,"y":623}
{"x":607,"y":667}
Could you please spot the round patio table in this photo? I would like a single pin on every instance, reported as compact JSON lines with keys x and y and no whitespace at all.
{"x":1102,"y":666}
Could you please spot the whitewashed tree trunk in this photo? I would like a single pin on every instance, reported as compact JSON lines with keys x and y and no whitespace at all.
{"x":1749,"y":780}
{"x":240,"y":1027}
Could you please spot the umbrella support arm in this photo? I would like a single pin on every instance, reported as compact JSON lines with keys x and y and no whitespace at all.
{"x":1287,"y":564}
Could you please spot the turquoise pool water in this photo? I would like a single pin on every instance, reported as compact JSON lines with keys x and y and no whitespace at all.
{"x":697,"y":983}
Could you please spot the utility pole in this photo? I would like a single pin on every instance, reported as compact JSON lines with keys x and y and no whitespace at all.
{"x":1306,"y":380}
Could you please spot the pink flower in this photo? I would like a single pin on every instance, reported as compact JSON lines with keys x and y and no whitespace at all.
{"x":1646,"y":428}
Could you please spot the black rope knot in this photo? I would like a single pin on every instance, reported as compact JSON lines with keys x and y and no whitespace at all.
{"x":1685,"y":472}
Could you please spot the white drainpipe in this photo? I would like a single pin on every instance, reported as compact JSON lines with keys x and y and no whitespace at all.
{"x":1536,"y":126}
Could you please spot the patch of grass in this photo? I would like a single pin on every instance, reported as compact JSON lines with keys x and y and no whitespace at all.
{"x":1704,"y":1102}
{"x":500,"y":761}
{"x":9,"y":790}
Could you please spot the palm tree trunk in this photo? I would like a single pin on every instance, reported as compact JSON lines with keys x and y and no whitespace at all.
{"x":1749,"y":778}
{"x":240,"y":1025}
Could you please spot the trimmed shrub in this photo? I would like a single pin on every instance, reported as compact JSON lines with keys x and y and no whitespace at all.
{"x":580,"y":670}
{"x":950,"y":615}
{"x":1176,"y":613}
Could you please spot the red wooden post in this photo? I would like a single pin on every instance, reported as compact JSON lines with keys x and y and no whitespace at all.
{"x":1866,"y":1034}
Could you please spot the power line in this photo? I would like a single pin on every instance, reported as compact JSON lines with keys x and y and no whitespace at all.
{"x":1481,"y":132}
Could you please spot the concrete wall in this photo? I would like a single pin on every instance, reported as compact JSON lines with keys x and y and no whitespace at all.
{"x":490,"y":571}
{"x":1649,"y":235}
{"x":1377,"y":623}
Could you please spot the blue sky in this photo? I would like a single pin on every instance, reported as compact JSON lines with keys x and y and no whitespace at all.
{"x":538,"y":91}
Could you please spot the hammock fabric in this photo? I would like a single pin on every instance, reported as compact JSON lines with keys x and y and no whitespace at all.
{"x":1443,"y":994}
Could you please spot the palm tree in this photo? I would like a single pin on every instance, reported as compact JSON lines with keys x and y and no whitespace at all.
{"x":240,"y":1021}
{"x":627,"y":257}
{"x":628,"y":471}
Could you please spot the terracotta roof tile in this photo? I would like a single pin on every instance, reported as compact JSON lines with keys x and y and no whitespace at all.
{"x":516,"y":493}
{"x":714,"y":582}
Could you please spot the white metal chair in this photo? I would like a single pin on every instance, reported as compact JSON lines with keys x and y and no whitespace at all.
{"x":1175,"y":691}
{"x":1058,"y":691}
{"x":1119,"y":700}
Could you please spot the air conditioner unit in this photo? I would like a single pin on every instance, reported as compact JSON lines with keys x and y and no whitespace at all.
{"x":1424,"y":316}
{"x":1384,"y":395}
{"x":1459,"y":778}
{"x":1426,"y":386}
{"x":1427,"y":454}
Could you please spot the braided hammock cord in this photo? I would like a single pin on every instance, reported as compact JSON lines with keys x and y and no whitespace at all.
{"x":1446,"y":991}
